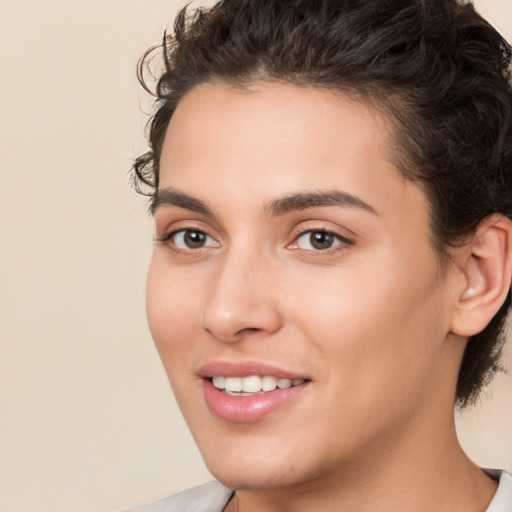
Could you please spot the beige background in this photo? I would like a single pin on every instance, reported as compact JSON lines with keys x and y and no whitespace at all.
{"x":87,"y":422}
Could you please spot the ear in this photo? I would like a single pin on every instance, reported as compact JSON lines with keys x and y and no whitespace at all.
{"x":486,"y":263}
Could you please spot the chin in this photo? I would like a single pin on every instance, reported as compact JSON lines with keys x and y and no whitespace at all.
{"x":250,"y":477}
{"x":253,"y":466}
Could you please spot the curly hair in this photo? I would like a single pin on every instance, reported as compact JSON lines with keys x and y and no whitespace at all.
{"x":438,"y":69}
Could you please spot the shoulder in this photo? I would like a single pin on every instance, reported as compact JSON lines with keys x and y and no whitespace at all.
{"x":209,"y":497}
{"x":502,"y":501}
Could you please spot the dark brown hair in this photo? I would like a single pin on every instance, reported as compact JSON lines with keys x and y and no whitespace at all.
{"x":438,"y":69}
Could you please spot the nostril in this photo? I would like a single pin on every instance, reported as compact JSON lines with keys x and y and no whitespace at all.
{"x":248,"y":330}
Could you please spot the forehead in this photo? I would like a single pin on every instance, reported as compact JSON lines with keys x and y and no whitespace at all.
{"x":272,"y":139}
{"x":275,"y":118}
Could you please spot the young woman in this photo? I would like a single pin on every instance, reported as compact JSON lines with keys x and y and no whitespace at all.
{"x":331,"y":183}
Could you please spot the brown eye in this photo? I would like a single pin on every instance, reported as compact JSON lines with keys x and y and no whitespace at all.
{"x":192,"y":239}
{"x":319,"y":240}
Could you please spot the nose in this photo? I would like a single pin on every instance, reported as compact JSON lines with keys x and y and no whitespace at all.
{"x":241,"y":301}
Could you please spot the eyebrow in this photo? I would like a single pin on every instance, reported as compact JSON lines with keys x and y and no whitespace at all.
{"x":303,"y":201}
{"x":293,"y":202}
{"x":171,"y":197}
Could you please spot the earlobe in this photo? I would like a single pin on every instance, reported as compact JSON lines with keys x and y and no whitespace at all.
{"x":487,"y":268}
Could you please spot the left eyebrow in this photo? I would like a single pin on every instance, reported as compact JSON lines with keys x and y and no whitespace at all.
{"x":303,"y":201}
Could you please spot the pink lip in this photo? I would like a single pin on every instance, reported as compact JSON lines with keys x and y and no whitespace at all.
{"x":247,"y":409}
{"x":246,"y":369}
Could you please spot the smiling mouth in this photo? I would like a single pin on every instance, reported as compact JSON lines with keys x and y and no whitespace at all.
{"x":252,"y":385}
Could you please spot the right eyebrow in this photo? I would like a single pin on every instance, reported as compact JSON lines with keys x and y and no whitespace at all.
{"x":171,"y":197}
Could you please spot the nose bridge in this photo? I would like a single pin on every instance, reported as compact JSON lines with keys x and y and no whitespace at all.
{"x":240,"y":299}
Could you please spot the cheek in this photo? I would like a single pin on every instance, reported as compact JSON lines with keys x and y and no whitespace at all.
{"x":172,"y":312}
{"x":375,"y":330}
{"x":172,"y":308}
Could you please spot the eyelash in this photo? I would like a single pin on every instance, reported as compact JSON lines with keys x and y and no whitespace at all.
{"x":169,"y":236}
{"x":340,"y":242}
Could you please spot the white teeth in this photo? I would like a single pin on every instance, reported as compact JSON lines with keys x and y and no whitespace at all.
{"x":233,"y":384}
{"x":268,"y":383}
{"x":284,"y":383}
{"x":253,"y":384}
{"x":219,"y":381}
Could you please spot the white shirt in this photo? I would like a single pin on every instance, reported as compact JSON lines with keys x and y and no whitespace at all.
{"x":502,"y":501}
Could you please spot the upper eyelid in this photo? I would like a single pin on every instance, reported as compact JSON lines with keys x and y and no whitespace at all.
{"x":324,"y":222}
{"x":322,"y":230}
{"x":169,"y":224}
{"x":300,"y":231}
{"x":340,"y":238}
{"x":172,"y":232}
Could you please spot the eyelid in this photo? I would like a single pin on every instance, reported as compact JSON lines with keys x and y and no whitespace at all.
{"x":167,"y":225}
{"x":168,"y":237}
{"x":343,"y":240}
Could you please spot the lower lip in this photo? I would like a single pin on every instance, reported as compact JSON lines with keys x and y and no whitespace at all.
{"x":248,"y":409}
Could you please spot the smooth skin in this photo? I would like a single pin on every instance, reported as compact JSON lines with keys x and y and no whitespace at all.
{"x":369,"y":315}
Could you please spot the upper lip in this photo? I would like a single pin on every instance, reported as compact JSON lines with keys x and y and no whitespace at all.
{"x":246,"y":369}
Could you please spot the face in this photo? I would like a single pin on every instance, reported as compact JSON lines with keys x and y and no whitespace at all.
{"x":294,"y":295}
